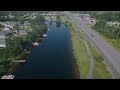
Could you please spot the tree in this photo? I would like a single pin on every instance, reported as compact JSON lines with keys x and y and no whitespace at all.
{"x":40,"y":19}
{"x":17,"y":27}
{"x":50,"y":23}
{"x":58,"y":18}
{"x":58,"y":24}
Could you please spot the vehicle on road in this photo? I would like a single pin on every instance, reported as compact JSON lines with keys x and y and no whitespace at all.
{"x":92,"y":35}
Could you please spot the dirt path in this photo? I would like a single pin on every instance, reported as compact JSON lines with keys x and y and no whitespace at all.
{"x":92,"y":61}
{"x":91,"y":70}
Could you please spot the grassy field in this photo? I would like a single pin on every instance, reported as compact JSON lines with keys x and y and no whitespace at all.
{"x":100,"y":69}
{"x":80,"y":53}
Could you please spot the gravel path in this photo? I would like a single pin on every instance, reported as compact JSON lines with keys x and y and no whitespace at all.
{"x":91,"y":70}
{"x":92,"y":61}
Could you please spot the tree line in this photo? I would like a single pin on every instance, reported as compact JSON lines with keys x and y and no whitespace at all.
{"x":101,"y":26}
{"x":15,"y":45}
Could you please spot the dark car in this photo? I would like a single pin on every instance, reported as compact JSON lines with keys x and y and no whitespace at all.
{"x":92,"y":35}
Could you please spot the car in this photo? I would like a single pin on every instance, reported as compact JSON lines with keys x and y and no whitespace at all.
{"x":92,"y":35}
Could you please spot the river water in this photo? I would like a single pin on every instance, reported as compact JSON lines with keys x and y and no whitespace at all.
{"x":51,"y":59}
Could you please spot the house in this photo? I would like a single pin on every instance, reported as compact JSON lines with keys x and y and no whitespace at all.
{"x":26,"y":23}
{"x":2,"y":39}
{"x":10,"y":16}
{"x":2,"y":35}
{"x":86,"y":18}
{"x":8,"y":24}
{"x":22,"y":32}
{"x":15,"y":34}
{"x":55,"y":13}
{"x":6,"y":29}
{"x":44,"y":14}
{"x":7,"y":33}
{"x":2,"y":43}
{"x":21,"y":26}
{"x":110,"y":23}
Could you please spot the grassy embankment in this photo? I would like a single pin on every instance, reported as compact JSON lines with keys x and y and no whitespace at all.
{"x":83,"y":61}
{"x":79,"y":52}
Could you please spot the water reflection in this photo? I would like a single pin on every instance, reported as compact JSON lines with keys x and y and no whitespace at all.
{"x":50,"y":23}
{"x":58,"y":24}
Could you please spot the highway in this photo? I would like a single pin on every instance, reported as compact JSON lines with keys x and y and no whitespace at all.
{"x":111,"y":55}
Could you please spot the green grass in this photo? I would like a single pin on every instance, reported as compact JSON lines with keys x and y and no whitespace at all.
{"x":81,"y":55}
{"x":100,"y":69}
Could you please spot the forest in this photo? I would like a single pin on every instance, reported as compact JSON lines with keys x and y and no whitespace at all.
{"x":101,"y":26}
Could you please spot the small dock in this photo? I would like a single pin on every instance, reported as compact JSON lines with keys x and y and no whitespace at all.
{"x":40,"y":38}
{"x":7,"y":77}
{"x":19,"y":61}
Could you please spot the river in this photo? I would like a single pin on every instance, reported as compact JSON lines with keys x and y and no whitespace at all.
{"x":52,"y":59}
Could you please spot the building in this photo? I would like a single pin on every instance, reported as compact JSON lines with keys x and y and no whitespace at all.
{"x":15,"y":34}
{"x":7,"y":33}
{"x":2,"y":35}
{"x":2,"y":39}
{"x":26,"y":24}
{"x":110,"y":23}
{"x":22,"y":32}
{"x":7,"y":77}
{"x":2,"y":43}
{"x":6,"y":29}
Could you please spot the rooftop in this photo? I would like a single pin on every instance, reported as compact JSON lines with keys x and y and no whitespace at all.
{"x":2,"y":41}
{"x":8,"y":77}
{"x":2,"y":33}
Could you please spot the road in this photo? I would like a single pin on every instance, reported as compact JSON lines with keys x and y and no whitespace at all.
{"x":111,"y":55}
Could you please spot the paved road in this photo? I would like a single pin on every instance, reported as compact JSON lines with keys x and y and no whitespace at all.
{"x":112,"y":55}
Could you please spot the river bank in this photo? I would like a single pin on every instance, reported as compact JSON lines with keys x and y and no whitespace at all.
{"x":52,"y":59}
{"x":23,"y":55}
{"x":66,"y":67}
{"x":76,"y":72}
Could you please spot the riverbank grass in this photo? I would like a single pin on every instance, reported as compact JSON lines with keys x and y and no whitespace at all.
{"x":80,"y":53}
{"x":100,"y":69}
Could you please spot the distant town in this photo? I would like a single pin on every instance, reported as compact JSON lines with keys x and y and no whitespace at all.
{"x":8,"y":28}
